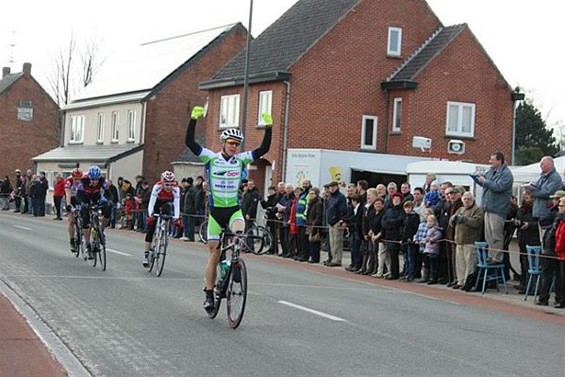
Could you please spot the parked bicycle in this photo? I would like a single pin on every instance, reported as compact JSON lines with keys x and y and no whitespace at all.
{"x":160,"y":242}
{"x":259,"y":238}
{"x":232,"y":279}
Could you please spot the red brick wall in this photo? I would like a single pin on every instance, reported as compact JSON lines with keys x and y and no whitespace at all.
{"x":21,"y":141}
{"x":168,"y":112}
{"x":338,"y":80}
{"x":461,"y":73}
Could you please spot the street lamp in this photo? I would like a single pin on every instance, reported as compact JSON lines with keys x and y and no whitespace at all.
{"x":516,"y":96}
{"x":246,"y":75}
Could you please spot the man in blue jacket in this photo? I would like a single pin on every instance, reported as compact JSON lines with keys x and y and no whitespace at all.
{"x":497,"y":190}
{"x":547,"y":184}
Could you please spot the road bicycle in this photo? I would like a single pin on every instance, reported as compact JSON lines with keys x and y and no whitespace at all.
{"x":259,"y":238}
{"x":97,"y":237}
{"x":78,"y":247}
{"x":160,"y":242}
{"x":232,"y":279}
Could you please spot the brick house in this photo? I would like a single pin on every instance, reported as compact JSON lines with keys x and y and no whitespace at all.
{"x":364,"y":76}
{"x":29,"y":120}
{"x":135,"y":121}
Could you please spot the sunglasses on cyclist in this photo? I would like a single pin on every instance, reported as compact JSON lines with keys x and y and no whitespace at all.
{"x":233,"y":143}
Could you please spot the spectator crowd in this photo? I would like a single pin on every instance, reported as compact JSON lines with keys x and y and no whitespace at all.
{"x":431,"y":229}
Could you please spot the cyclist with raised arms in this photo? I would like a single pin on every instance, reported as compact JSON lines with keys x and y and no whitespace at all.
{"x":71,"y":186}
{"x":164,"y":193}
{"x":93,"y":190}
{"x":223,"y":174}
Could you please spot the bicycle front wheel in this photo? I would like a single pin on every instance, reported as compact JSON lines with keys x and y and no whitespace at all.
{"x":160,"y":254}
{"x":153,"y":254}
{"x":78,"y":239}
{"x":102,"y":252}
{"x":236,"y":294}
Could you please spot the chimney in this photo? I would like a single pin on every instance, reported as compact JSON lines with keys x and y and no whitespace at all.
{"x":5,"y":71}
{"x":27,"y":70}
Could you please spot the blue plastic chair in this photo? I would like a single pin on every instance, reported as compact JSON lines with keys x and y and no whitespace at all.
{"x":486,"y":269}
{"x":534,"y":269}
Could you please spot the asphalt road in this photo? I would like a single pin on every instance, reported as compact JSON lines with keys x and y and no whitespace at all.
{"x":300,"y":320}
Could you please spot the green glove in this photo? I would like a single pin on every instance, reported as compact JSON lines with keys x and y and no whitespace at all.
{"x":197,"y":112}
{"x":268,"y":119}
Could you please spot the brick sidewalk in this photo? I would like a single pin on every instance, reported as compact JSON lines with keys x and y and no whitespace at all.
{"x":22,"y":353}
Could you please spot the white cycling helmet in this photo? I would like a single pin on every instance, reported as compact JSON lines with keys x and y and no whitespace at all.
{"x":232,"y":133}
{"x":168,"y":176}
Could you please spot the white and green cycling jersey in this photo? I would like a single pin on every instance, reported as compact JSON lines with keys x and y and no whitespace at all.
{"x":224,"y":176}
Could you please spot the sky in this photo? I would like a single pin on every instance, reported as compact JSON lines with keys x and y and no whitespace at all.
{"x":524,"y":38}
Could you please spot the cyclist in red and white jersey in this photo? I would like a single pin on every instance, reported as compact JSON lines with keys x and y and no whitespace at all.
{"x":164,"y":195}
{"x":71,"y":186}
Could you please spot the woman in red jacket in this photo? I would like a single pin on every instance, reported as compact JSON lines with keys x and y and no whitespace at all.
{"x":58,"y":194}
{"x":559,"y":227}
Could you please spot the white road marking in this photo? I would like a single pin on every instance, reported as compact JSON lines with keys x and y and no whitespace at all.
{"x":21,"y":227}
{"x":118,"y":252}
{"x":321,"y":314}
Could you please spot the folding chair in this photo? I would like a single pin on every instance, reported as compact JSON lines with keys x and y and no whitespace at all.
{"x":534,"y":269}
{"x":484,"y":268}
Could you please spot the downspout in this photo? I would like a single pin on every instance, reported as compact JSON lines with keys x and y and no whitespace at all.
{"x":387,"y":103}
{"x":142,"y":129}
{"x":285,"y":130}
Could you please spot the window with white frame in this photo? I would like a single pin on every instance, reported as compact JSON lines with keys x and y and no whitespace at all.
{"x":369,"y":132}
{"x":131,"y":125}
{"x":394,"y":47}
{"x":229,"y":111}
{"x":25,"y":111}
{"x":265,"y":105}
{"x":77,"y":129}
{"x":397,"y":115}
{"x":115,"y":126}
{"x":100,"y":128}
{"x":460,"y":119}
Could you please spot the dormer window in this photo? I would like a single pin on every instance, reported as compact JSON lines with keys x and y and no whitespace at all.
{"x":394,"y":48}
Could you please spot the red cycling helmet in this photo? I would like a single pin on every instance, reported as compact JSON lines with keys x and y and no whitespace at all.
{"x":76,"y":173}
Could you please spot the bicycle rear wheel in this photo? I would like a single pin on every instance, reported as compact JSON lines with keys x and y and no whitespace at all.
{"x":203,"y":232}
{"x":160,"y":254}
{"x":217,"y":297}
{"x":236,"y":294}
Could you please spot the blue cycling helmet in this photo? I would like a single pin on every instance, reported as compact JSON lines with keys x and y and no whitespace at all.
{"x":94,"y":172}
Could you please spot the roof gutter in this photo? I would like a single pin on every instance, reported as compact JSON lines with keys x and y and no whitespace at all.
{"x":237,"y":81}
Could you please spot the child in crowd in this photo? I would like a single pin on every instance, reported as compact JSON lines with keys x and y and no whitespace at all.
{"x":128,"y":205}
{"x":432,"y":247}
{"x":420,"y":240}
{"x":432,"y":197}
{"x":411,"y":224}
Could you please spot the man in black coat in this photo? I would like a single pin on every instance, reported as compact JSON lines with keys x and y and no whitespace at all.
{"x":249,"y":204}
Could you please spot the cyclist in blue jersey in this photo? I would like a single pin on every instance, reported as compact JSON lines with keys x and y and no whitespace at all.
{"x":223,"y":173}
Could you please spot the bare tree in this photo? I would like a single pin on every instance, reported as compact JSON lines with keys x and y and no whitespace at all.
{"x":74,"y":68}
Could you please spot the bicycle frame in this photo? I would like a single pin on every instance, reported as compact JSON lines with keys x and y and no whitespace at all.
{"x":160,"y":243}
